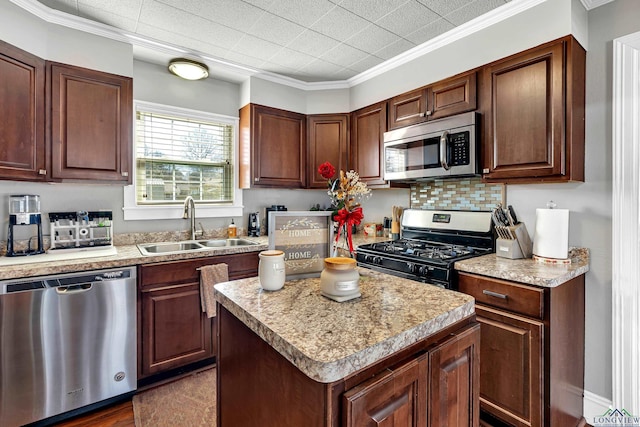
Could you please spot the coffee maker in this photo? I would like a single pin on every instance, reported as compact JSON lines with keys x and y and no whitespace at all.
{"x":254,"y":225}
{"x":24,"y":211}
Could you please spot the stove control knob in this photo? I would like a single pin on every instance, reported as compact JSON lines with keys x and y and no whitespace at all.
{"x":412,"y":268}
{"x":377,"y":260}
{"x":422,"y":271}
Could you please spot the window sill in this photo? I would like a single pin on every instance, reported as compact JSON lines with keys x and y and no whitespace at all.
{"x":140,"y":213}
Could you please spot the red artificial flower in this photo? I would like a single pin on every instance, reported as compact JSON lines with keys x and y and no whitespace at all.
{"x":326,"y":170}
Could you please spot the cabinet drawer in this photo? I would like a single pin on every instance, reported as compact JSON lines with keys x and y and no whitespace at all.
{"x":517,"y":298}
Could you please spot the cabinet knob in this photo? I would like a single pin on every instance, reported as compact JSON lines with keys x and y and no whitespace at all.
{"x":42,"y":171}
{"x":428,"y":112}
{"x":125,"y":173}
{"x":422,"y":114}
{"x":485,"y":170}
{"x":256,"y":179}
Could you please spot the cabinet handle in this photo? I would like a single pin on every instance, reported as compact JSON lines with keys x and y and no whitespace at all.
{"x":125,"y":173}
{"x":423,"y":114}
{"x":42,"y":171}
{"x":428,"y":112}
{"x":494,"y":294}
{"x":485,"y":170}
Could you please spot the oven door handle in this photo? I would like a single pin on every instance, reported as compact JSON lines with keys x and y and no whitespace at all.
{"x":444,"y":140}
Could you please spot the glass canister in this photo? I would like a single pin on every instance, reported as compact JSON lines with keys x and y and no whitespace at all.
{"x":24,"y":204}
{"x":340,"y":279}
{"x":271,"y":270}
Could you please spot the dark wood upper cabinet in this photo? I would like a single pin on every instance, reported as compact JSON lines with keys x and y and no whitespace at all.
{"x":368,"y":126}
{"x":533,"y":115}
{"x":451,"y":96}
{"x":273,"y":148}
{"x":22,"y":108}
{"x":91,"y":124}
{"x":328,"y":138}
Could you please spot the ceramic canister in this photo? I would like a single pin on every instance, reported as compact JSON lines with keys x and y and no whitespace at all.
{"x":340,"y":277}
{"x":271,"y":270}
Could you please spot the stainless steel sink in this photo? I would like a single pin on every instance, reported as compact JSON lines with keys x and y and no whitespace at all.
{"x":165,"y":248}
{"x":218,"y":243}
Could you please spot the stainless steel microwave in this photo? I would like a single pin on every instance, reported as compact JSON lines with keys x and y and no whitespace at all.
{"x":443,"y":148}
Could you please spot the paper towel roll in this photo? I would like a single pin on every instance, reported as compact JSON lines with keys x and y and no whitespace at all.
{"x":552,"y":233}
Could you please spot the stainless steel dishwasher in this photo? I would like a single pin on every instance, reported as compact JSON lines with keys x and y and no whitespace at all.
{"x":66,"y":342}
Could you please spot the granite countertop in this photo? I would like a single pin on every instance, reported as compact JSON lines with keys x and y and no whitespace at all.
{"x":328,"y":340}
{"x":527,"y":270}
{"x":127,"y":255}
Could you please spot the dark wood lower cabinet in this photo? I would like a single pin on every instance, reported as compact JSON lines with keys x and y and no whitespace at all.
{"x":173,"y":332}
{"x":431,"y":383}
{"x":531,"y":351}
{"x":511,"y":366}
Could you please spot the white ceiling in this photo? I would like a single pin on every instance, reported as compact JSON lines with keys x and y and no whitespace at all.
{"x":308,"y":40}
{"x":302,"y":41}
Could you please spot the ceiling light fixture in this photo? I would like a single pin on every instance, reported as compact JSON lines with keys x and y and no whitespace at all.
{"x":188,"y":69}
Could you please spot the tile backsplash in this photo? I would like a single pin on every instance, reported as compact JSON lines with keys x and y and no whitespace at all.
{"x":461,"y":194}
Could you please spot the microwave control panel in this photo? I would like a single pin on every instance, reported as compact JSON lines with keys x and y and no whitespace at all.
{"x":459,"y":149}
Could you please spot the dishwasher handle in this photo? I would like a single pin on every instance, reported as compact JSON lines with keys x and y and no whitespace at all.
{"x":74,"y":289}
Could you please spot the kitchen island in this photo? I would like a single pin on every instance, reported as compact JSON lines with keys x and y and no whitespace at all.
{"x":404,"y":353}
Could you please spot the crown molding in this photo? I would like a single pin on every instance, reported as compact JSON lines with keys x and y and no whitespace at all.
{"x":592,"y":4}
{"x":496,"y":15}
{"x":82,"y":24}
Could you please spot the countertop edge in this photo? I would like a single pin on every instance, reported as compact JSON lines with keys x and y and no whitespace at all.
{"x":528,"y":271}
{"x":327,"y":372}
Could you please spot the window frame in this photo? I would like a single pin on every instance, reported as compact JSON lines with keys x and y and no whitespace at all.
{"x":133,"y":211}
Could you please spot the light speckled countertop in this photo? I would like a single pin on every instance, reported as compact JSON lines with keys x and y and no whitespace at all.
{"x":527,"y":270}
{"x":127,"y":254}
{"x":328,"y":340}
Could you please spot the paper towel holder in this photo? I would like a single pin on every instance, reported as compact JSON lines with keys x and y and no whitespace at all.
{"x":551,"y":204}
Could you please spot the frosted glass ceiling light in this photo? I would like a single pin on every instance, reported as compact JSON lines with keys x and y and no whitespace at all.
{"x":188,"y":69}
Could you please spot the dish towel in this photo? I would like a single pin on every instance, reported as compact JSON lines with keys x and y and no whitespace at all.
{"x":209,"y":276}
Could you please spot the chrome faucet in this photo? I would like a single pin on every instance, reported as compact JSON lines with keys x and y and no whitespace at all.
{"x":190,"y":212}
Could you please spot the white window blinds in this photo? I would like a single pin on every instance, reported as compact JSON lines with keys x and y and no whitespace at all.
{"x":178,"y":157}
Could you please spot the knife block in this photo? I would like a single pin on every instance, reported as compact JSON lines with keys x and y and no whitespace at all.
{"x":518,"y":247}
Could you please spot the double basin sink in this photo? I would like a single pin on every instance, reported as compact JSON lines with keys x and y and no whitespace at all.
{"x":165,"y":248}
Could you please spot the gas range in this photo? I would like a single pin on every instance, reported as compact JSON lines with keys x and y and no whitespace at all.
{"x":432,"y":241}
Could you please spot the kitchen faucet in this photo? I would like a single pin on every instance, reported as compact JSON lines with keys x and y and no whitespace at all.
{"x":190,"y":212}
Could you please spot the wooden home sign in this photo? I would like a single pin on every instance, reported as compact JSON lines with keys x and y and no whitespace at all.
{"x":305,"y":237}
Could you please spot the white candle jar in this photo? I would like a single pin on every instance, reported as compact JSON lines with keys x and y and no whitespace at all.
{"x":271,"y":270}
{"x":340,"y":279}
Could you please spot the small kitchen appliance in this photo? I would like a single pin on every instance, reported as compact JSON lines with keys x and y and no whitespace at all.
{"x":272,"y":208}
{"x":443,"y":148}
{"x":81,"y":230}
{"x":253,"y":230}
{"x":430,"y":243}
{"x":24,"y":211}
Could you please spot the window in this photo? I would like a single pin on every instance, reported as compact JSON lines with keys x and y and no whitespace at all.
{"x":180,"y":153}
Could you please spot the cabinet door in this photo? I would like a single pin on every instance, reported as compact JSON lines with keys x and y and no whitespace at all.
{"x":454,"y":371}
{"x":452,"y":96}
{"x":396,"y":397}
{"x":276,"y":140}
{"x":368,"y":126}
{"x":408,"y":109}
{"x":511,"y":355}
{"x":524,"y":121}
{"x":22,"y":108}
{"x":175,"y":331}
{"x":91,"y":124}
{"x":328,"y":139}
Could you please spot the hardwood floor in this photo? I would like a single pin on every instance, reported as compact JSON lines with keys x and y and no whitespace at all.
{"x":119,"y":415}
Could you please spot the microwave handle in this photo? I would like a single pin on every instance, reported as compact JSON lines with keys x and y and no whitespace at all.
{"x":443,"y":150}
